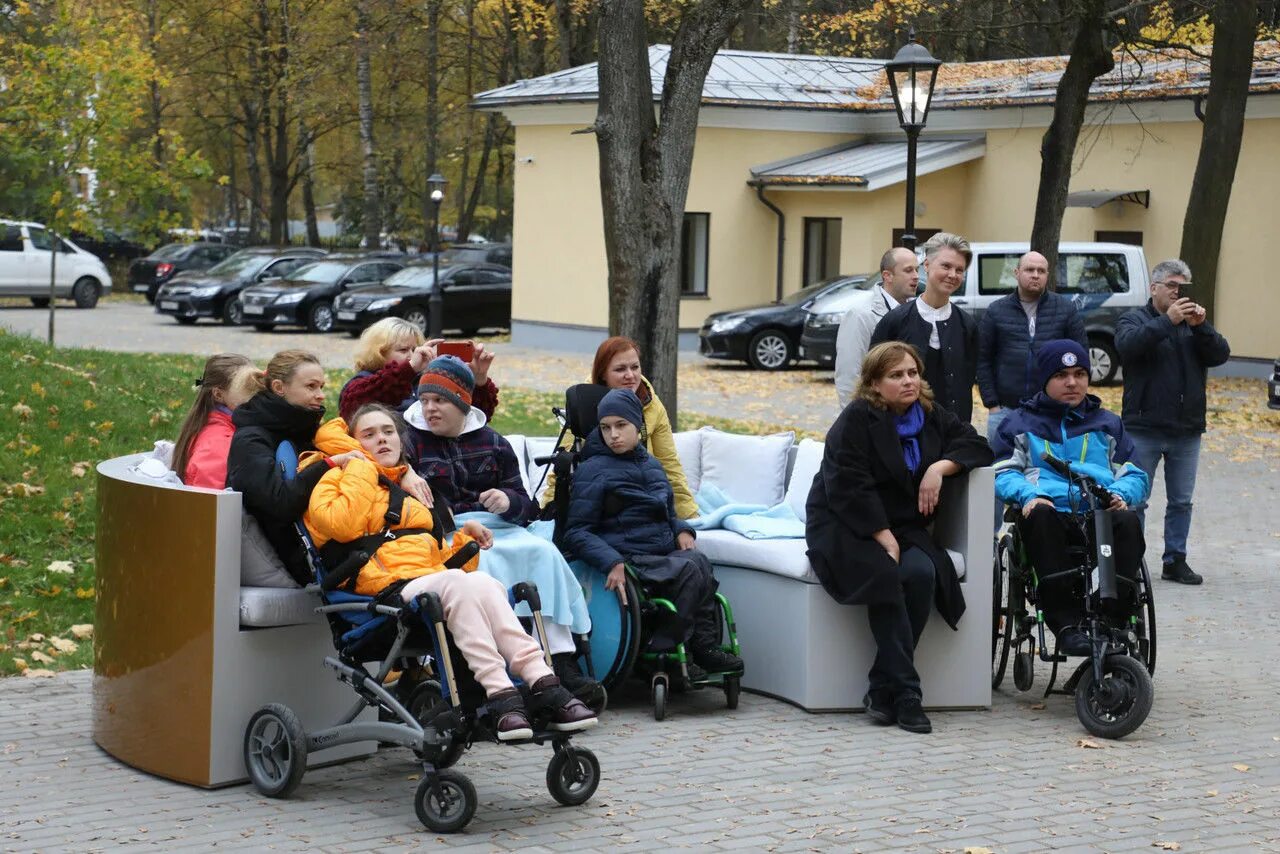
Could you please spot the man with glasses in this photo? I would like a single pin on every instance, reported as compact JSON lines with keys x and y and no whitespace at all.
{"x":1166,"y":348}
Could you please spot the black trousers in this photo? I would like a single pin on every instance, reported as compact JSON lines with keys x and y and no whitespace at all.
{"x":897,"y":627}
{"x":684,"y":577}
{"x":1048,"y":535}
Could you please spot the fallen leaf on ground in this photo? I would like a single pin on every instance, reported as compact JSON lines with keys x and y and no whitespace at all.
{"x":63,"y":566}
{"x":1240,"y":766}
{"x":1037,"y":707}
{"x":1167,"y":846}
{"x":81,"y":631}
{"x":1213,"y":793}
{"x":38,"y":673}
{"x":36,"y":638}
{"x":976,"y":849}
{"x":79,"y":469}
{"x":39,"y":656}
{"x":1089,"y":744}
{"x":20,"y":664}
{"x":22,"y":411}
{"x":64,"y":645}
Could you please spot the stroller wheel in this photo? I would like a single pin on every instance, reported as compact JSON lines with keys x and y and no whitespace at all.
{"x":659,"y":699}
{"x":573,"y":775}
{"x":1023,"y":671}
{"x":732,"y":688}
{"x":1118,"y":704}
{"x":445,"y":802}
{"x":426,"y":705}
{"x":275,"y":750}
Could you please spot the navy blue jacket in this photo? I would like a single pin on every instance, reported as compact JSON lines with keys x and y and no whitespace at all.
{"x":620,"y":505}
{"x":1165,"y":367}
{"x":1007,"y":352}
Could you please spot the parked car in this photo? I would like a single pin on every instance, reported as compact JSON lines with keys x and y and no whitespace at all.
{"x":216,"y":292}
{"x":822,"y":322}
{"x":1273,"y":385}
{"x":110,"y":246}
{"x":478,"y":253}
{"x":766,"y":337}
{"x":473,"y":296}
{"x":306,"y":297}
{"x":146,"y":275}
{"x":25,"y":261}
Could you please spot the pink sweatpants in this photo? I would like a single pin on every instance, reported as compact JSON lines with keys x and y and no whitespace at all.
{"x":484,"y":627}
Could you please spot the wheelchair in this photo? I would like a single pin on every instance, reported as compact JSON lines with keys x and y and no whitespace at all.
{"x":438,"y":719}
{"x":616,"y":649}
{"x":1112,"y":687}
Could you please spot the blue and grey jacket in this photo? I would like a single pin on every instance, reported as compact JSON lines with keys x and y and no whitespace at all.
{"x":1088,"y":437}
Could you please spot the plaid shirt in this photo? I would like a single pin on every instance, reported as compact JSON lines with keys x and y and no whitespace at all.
{"x":462,"y":468}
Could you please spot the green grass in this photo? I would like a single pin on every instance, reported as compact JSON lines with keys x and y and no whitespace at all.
{"x":63,"y":410}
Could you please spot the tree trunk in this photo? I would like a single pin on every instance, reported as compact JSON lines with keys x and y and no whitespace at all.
{"x":793,"y":26}
{"x":153,"y":84}
{"x":433,"y":113}
{"x":1235,"y":25}
{"x":564,"y":32}
{"x":308,"y":188}
{"x":1090,"y":59}
{"x":468,"y":86}
{"x":644,"y":170}
{"x":364,"y":87}
{"x":254,"y":167}
{"x":477,"y":189}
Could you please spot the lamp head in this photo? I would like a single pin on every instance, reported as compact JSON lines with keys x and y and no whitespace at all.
{"x":912,"y":74}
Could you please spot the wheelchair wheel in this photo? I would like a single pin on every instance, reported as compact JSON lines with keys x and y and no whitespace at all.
{"x":1003,"y":609}
{"x":573,"y":775}
{"x":1118,"y":704}
{"x":659,"y":698}
{"x":426,"y":705}
{"x":445,"y":803}
{"x":1024,"y":673}
{"x":275,"y":750}
{"x":1147,"y":645}
{"x":732,"y":688}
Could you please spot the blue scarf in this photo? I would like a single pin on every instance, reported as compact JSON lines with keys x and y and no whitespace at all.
{"x":909,"y":425}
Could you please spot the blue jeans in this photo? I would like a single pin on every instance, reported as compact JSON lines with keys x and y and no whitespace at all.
{"x":1181,"y":455}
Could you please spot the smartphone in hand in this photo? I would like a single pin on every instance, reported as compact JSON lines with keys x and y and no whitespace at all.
{"x":464,"y":350}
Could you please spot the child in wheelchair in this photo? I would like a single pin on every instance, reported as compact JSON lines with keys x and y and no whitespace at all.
{"x":360,"y":506}
{"x":1063,"y":421}
{"x":622,"y":514}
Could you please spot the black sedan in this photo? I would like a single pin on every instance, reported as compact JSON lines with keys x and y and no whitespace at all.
{"x":306,"y":297}
{"x":146,"y":275}
{"x":766,"y":337}
{"x":473,"y":296}
{"x":1273,"y":386}
{"x":216,"y":292}
{"x":109,"y":246}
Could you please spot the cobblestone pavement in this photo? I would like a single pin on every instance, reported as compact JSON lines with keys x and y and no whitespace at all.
{"x":1202,"y":774}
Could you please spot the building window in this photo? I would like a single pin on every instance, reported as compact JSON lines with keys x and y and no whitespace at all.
{"x":694,"y":239}
{"x":821,"y":249}
{"x":1132,"y":238}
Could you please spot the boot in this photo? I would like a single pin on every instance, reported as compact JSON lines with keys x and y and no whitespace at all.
{"x":586,"y":689}
{"x":716,"y":660}
{"x":506,"y":710}
{"x":1177,"y":570}
{"x":565,"y":712}
{"x":910,"y":714}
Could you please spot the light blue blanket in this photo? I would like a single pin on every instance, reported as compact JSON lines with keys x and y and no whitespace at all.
{"x":753,"y":521}
{"x":521,"y":555}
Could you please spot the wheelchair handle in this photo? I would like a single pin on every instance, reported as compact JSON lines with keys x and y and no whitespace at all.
{"x":542,"y":461}
{"x":347,"y":569}
{"x":1087,"y":483}
{"x":429,"y":604}
{"x":527,"y":591}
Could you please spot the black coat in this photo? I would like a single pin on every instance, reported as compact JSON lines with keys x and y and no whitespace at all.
{"x":959,"y":353}
{"x":864,"y":486}
{"x":1164,"y":371}
{"x":262,"y":423}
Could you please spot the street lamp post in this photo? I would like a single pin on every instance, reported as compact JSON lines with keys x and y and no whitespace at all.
{"x":912,"y":74}
{"x":436,"y":183}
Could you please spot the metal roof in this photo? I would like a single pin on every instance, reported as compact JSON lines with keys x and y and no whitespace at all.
{"x":1098,"y":198}
{"x":867,"y":165}
{"x":755,"y":79}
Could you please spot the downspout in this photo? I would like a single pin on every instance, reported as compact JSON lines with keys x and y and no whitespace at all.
{"x":782,"y":232}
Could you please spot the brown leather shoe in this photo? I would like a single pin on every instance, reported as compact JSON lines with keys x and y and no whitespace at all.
{"x":506,"y":709}
{"x":565,"y":712}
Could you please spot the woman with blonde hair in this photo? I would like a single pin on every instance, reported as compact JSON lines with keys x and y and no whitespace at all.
{"x":200,"y":453}
{"x":389,"y":357}
{"x":869,"y":513}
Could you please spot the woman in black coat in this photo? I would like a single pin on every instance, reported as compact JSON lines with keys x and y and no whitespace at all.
{"x":868,"y":512}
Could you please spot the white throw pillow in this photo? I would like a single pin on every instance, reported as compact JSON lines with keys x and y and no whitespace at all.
{"x":748,"y":469}
{"x":689,"y":450}
{"x":537,"y":446}
{"x":808,"y":461}
{"x":260,"y":566}
{"x":517,"y":445}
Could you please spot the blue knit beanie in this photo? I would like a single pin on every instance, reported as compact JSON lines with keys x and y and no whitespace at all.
{"x":451,"y":378}
{"x":623,"y":403}
{"x":1054,"y":356}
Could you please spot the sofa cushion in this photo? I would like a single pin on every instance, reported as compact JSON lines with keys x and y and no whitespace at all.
{"x":517,"y":444}
{"x":779,"y":557}
{"x":808,"y":461}
{"x":261,"y":607}
{"x":534,"y":447}
{"x":689,"y":450}
{"x":748,"y":469}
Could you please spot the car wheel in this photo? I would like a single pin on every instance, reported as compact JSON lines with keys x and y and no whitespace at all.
{"x":1104,"y":361}
{"x":769,"y":350}
{"x":40,"y":302}
{"x":418,"y":318}
{"x":151,"y":293}
{"x":320,"y":318}
{"x":85,"y":293}
{"x":232,"y":312}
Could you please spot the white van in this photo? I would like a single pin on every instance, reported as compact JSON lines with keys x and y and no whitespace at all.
{"x":24,"y":266}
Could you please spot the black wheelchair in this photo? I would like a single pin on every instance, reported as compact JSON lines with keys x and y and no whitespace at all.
{"x":436,"y":718}
{"x":619,"y":635}
{"x":1112,"y":687}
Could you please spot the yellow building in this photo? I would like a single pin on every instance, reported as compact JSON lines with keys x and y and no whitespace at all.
{"x":814,"y":141}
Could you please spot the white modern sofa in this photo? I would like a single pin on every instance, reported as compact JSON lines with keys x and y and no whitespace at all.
{"x":798,"y":643}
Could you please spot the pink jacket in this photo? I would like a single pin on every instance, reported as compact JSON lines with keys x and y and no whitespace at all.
{"x":207,"y":464}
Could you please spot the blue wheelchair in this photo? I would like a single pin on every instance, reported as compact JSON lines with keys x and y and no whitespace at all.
{"x":438,"y":719}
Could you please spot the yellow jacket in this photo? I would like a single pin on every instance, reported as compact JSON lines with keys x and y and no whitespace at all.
{"x":349,"y":503}
{"x":661,"y":443}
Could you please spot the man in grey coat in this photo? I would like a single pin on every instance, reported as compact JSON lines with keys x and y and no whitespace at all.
{"x":899,"y":277}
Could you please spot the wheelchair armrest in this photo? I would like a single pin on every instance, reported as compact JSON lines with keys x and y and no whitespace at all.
{"x":429,"y":604}
{"x":463,"y":555}
{"x":527,"y":591}
{"x":347,"y":569}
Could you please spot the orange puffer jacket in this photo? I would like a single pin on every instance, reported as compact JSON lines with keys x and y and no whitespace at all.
{"x":350,"y":503}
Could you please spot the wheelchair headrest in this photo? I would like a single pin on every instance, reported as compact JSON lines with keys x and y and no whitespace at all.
{"x":580,"y":404}
{"x":287,"y":459}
